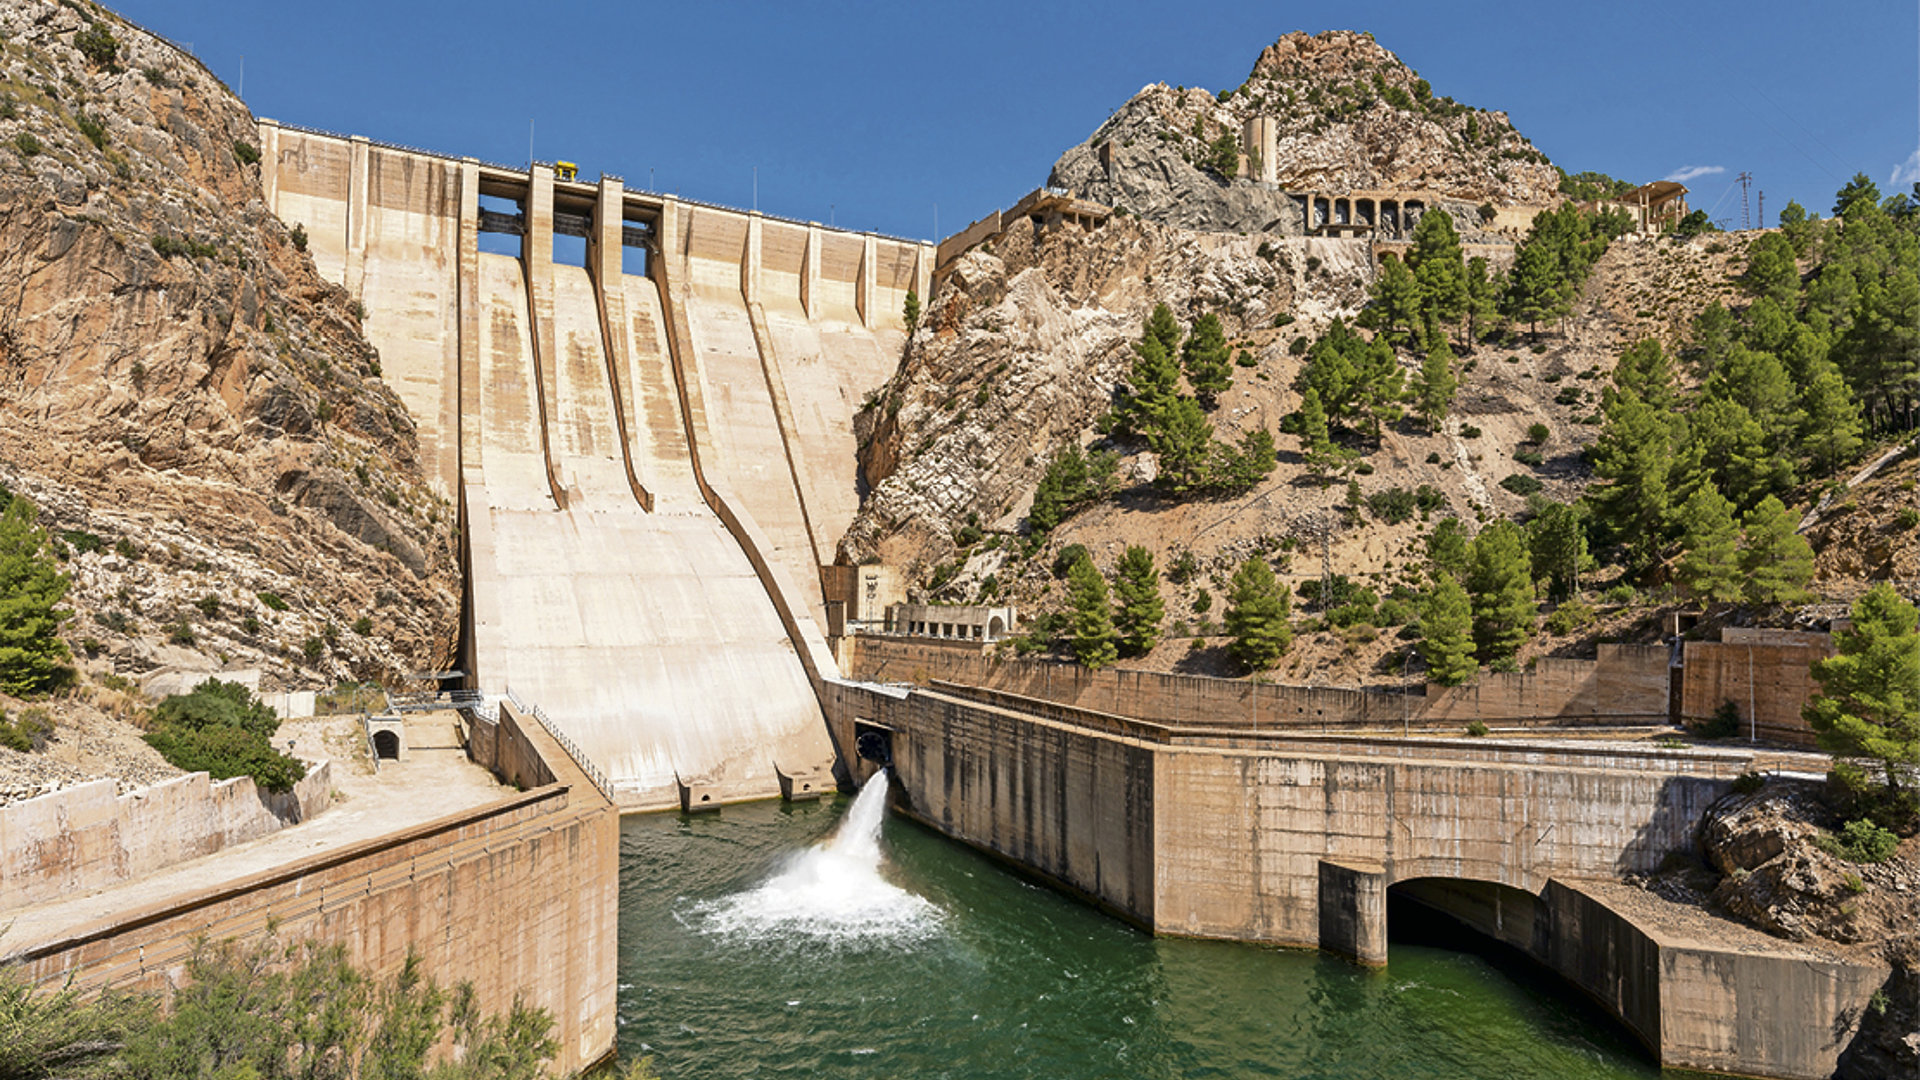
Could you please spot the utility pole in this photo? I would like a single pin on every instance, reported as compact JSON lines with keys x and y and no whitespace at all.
{"x":1746,"y":219}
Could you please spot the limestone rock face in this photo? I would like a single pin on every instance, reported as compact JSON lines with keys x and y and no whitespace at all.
{"x":1348,"y":116}
{"x":1020,"y":350}
{"x":173,"y":373}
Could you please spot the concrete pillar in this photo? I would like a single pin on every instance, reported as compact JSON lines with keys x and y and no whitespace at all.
{"x":356,"y":268}
{"x":270,"y":164}
{"x":604,"y":251}
{"x":863,"y":287}
{"x":810,"y":271}
{"x":536,"y":261}
{"x":750,"y":260}
{"x":469,"y":316}
{"x":1353,"y":910}
{"x":923,"y":275}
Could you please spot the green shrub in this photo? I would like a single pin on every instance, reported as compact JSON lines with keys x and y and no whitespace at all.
{"x":1521,"y":484}
{"x":1393,"y":505}
{"x":1723,"y":724}
{"x":299,"y":236}
{"x":1069,"y":555}
{"x":312,"y":648}
{"x":27,"y":144}
{"x":272,"y":601}
{"x":1748,"y":782}
{"x":246,"y":153}
{"x":1568,"y":617}
{"x":181,"y":632}
{"x":1568,"y":395}
{"x":126,"y":549}
{"x":1860,"y":841}
{"x":97,"y":44}
{"x":1428,"y":498}
{"x":220,"y":729}
{"x":1468,"y":431}
{"x":363,"y":626}
{"x":27,"y":734}
{"x":1477,"y":729}
{"x":209,"y":605}
{"x":95,"y":132}
{"x":1907,"y":518}
{"x":82,"y":543}
{"x":1622,"y":593}
{"x":1531,"y":458}
{"x":1537,"y":433}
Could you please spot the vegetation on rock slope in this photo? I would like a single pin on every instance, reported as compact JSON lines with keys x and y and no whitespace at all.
{"x":193,"y":411}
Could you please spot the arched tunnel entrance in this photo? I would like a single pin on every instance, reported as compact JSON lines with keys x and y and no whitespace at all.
{"x":1455,"y":912}
{"x":386,"y":745}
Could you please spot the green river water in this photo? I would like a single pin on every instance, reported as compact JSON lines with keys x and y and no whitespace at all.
{"x":757,"y":942}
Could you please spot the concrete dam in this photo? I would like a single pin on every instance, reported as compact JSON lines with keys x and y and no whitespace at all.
{"x":651,"y":452}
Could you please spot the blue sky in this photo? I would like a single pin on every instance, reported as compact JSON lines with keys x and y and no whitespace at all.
{"x":890,"y":116}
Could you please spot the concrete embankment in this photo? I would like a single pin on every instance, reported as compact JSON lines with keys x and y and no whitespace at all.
{"x":1296,"y":838}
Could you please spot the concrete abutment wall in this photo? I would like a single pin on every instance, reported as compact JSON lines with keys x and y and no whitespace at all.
{"x":518,"y":896}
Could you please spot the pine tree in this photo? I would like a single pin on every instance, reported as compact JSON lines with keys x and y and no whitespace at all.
{"x":1152,"y":387}
{"x":1091,"y":625}
{"x":1446,"y":643}
{"x":1710,"y":568}
{"x":1447,"y":548}
{"x":1645,"y":370}
{"x":1500,"y":582}
{"x":1483,"y":297}
{"x":1257,"y":616}
{"x":1771,"y":271}
{"x":1532,"y":285}
{"x":1559,"y":546}
{"x":910,"y":311}
{"x":1380,"y":385}
{"x":1184,"y":443}
{"x":1434,"y":385}
{"x":1829,"y":419}
{"x":1207,"y":360}
{"x":1712,"y":337}
{"x":31,"y":651}
{"x":1138,"y":607}
{"x":1435,"y":259}
{"x":1868,"y":707}
{"x":1856,"y":195}
{"x":1323,"y":459}
{"x":1634,"y":458}
{"x":1777,"y":560}
{"x":1164,"y":328}
{"x":1394,"y":307}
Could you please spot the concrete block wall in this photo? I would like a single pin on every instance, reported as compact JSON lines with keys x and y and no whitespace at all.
{"x":519,"y":897}
{"x":85,"y":837}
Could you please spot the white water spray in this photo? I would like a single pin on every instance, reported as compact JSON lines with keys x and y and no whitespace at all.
{"x":832,"y":892}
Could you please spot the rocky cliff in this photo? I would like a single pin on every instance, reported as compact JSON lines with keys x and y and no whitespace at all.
{"x":195,"y":411}
{"x":1348,"y":116}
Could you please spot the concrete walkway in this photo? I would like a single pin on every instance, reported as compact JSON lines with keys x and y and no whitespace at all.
{"x":436,"y":780}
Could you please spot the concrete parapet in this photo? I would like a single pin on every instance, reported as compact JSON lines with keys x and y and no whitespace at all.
{"x":1767,"y":680}
{"x":1625,"y":685}
{"x":85,"y":837}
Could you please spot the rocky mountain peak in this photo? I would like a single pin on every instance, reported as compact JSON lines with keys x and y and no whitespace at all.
{"x":1347,"y":115}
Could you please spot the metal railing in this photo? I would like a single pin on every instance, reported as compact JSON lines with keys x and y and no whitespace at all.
{"x":573,"y":750}
{"x":431,"y":700}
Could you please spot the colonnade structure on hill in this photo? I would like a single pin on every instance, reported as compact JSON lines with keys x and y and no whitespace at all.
{"x":650,"y":448}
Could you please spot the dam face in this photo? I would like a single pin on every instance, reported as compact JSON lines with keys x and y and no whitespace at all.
{"x":650,"y":469}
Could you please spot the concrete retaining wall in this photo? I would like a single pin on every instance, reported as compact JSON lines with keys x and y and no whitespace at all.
{"x":1290,"y":838}
{"x":1626,"y":684}
{"x":1757,"y":1011}
{"x":519,"y":897}
{"x":85,"y":838}
{"x":1767,"y":682}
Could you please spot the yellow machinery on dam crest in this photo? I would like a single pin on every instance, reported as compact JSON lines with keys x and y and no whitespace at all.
{"x":651,"y":468}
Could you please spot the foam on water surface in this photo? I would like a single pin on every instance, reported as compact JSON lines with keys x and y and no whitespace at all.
{"x":832,"y":893}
